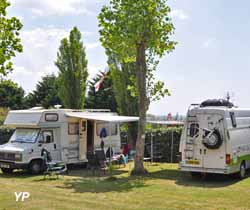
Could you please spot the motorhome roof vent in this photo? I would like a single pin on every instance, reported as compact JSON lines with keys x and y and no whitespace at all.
{"x":216,"y":102}
{"x":36,"y":108}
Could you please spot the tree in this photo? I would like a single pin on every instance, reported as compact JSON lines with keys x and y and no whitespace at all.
{"x":104,"y":98}
{"x":10,"y":43}
{"x":45,"y":94}
{"x":72,"y":64}
{"x":139,"y":31}
{"x":11,"y":95}
{"x":123,"y":77}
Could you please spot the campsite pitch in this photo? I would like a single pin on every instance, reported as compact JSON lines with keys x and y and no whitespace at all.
{"x":164,"y":188}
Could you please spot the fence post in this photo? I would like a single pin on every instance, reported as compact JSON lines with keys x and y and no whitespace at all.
{"x":151,"y":148}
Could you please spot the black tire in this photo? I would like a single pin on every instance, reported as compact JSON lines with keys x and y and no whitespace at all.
{"x":7,"y":170}
{"x":36,"y":167}
{"x":242,"y":173}
{"x":217,"y":140}
{"x":196,"y":175}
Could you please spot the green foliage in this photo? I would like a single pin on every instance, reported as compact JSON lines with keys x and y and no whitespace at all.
{"x":104,"y":98}
{"x":46,"y":93}
{"x":72,"y":64}
{"x":11,"y":95}
{"x":123,"y":77}
{"x":10,"y":43}
{"x":5,"y":134}
{"x":3,"y":114}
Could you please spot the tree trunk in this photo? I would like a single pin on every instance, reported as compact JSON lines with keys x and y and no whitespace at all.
{"x":141,"y":70}
{"x":132,"y":133}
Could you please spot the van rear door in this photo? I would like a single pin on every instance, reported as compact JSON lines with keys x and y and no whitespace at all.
{"x":212,"y":131}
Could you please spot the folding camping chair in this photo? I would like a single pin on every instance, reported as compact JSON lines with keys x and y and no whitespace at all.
{"x":101,"y":160}
{"x":97,"y":161}
{"x":52,"y":168}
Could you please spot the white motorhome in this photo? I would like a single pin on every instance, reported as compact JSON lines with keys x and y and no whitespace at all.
{"x":67,"y":134}
{"x":216,"y":139}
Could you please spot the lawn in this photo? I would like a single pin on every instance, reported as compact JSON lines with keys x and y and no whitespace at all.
{"x":164,"y":188}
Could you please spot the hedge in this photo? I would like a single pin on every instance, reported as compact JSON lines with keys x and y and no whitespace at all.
{"x":162,"y":140}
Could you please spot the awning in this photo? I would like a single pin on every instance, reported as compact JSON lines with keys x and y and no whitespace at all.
{"x":168,"y":123}
{"x":102,"y":117}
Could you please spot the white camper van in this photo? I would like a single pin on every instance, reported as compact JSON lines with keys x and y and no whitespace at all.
{"x":216,"y":139}
{"x":67,"y":134}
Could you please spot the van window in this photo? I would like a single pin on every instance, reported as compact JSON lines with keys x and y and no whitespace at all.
{"x":194,"y":129}
{"x":73,"y":128}
{"x":51,"y":117}
{"x":99,"y":127}
{"x":26,"y":135}
{"x":47,"y":136}
{"x":233,"y":119}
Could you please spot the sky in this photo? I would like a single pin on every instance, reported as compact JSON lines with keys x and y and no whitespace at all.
{"x":212,"y":56}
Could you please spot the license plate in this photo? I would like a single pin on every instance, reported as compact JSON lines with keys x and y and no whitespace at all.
{"x":4,"y":166}
{"x":193,"y":162}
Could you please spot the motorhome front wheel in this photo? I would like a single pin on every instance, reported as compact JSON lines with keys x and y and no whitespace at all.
{"x":35,"y":167}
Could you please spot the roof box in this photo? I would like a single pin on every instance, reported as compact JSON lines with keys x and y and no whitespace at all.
{"x":217,"y":102}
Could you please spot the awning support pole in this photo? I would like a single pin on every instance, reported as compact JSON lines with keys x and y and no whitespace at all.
{"x":152,"y":146}
{"x":172,"y":145}
{"x":110,"y":144}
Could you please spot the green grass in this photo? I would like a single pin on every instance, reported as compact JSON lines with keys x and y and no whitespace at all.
{"x":164,"y":188}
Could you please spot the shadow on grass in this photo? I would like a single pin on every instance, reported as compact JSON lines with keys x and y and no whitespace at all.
{"x":185,"y":179}
{"x":100,"y":185}
{"x":19,"y":174}
{"x":83,"y":180}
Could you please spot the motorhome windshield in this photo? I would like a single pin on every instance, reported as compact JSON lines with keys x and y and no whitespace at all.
{"x":24,"y":135}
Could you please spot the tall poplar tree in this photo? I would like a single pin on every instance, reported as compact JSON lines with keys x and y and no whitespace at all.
{"x":72,"y":64}
{"x":139,"y":31}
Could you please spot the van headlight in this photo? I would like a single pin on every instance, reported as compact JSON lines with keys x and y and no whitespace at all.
{"x":18,"y":157}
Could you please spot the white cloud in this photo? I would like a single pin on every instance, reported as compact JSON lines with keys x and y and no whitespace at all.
{"x":209,"y":43}
{"x":94,"y":70}
{"x":40,"y":49}
{"x":178,"y":13}
{"x":93,"y":45}
{"x":54,"y":7}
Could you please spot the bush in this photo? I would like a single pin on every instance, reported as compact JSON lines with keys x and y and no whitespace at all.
{"x":5,"y":134}
{"x":3,"y":114}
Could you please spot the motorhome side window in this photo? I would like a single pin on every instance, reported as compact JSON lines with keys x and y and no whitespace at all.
{"x":46,"y":137}
{"x":73,"y":128}
{"x":194,"y":129}
{"x":233,"y":119}
{"x":99,"y":127}
{"x":51,"y":117}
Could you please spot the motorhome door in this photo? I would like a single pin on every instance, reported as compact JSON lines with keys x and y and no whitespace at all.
{"x":82,"y":139}
{"x":48,"y":139}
